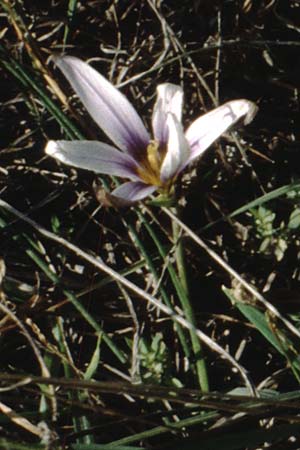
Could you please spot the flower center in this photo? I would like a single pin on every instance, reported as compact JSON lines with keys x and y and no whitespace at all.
{"x":149,"y":171}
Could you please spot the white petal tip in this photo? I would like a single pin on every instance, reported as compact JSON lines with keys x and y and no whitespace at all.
{"x":51,"y":148}
{"x":252,"y":110}
{"x":59,"y":59}
{"x":239,"y":108}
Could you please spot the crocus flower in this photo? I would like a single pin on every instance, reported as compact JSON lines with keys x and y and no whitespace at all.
{"x":149,"y":163}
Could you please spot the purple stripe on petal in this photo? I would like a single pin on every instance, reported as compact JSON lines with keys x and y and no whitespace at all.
{"x":107,"y":105}
{"x":93,"y":155}
{"x":207,"y":128}
{"x":178,"y":150}
{"x":133,"y":191}
{"x":169,"y":100}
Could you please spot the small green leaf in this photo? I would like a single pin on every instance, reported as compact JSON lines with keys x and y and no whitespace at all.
{"x":294,"y":220}
{"x":94,"y":362}
{"x":162,"y":200}
{"x":281,"y":247}
{"x":259,"y":320}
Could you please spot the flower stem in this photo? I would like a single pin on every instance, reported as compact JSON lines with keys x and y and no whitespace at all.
{"x":187,"y":306}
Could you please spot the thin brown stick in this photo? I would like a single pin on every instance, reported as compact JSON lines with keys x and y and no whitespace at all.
{"x":134,"y":288}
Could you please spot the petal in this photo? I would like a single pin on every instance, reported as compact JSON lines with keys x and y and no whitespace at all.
{"x":207,"y":128}
{"x":178,"y":150}
{"x":109,"y":108}
{"x":133,"y":191}
{"x":95,"y":156}
{"x":169,"y":100}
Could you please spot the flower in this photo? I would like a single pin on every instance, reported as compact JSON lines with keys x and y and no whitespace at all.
{"x":149,"y":164}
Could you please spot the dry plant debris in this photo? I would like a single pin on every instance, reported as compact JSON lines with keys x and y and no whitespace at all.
{"x":98,"y":344}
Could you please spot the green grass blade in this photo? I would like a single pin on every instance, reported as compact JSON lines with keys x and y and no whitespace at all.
{"x":259,"y":320}
{"x":196,"y":344}
{"x":236,"y":440}
{"x":31,"y":253}
{"x":30,"y":82}
{"x":160,"y":430}
{"x":279,"y":192}
{"x":6,"y":444}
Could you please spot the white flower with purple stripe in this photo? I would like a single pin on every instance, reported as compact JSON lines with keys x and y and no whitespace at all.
{"x":149,"y":164}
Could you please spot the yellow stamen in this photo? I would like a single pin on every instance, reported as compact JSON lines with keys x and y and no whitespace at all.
{"x":153,"y":156}
{"x":150,"y":166}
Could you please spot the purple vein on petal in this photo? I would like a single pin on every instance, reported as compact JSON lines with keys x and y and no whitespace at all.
{"x":93,"y":155}
{"x":133,"y":191}
{"x":209,"y":127}
{"x":178,"y":149}
{"x":169,"y":100}
{"x":107,"y":105}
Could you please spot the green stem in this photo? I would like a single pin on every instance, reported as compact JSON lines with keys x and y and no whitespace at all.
{"x":174,"y":279}
{"x":165,"y":297}
{"x":187,"y":306}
